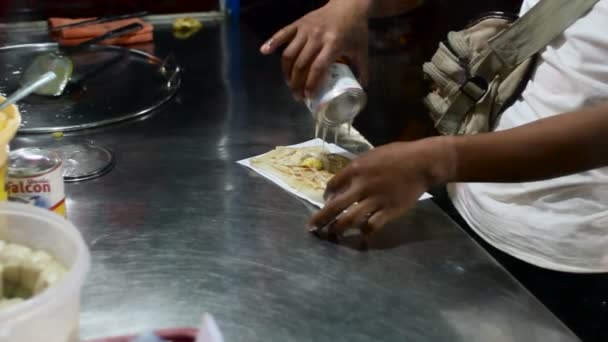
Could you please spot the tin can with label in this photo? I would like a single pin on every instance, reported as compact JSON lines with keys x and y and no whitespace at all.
{"x":339,"y":99}
{"x":35,"y":177}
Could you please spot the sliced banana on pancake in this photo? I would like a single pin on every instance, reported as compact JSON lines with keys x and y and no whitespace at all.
{"x":322,"y":160}
{"x":304,"y":169}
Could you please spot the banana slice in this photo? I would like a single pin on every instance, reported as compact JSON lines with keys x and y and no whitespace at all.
{"x":22,"y":292}
{"x":24,"y":272}
{"x":1,"y":281}
{"x":49,"y":275}
{"x":5,"y":303}
{"x":3,"y":120}
{"x":12,"y":256}
{"x":9,"y":289}
{"x":2,"y":246}
{"x":32,"y":267}
{"x":184,"y":28}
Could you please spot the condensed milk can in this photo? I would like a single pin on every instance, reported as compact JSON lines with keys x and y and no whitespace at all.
{"x":35,"y":177}
{"x":339,"y":99}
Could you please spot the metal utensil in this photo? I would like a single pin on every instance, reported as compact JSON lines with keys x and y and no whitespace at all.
{"x":28,"y":88}
{"x":101,"y":20}
{"x":60,"y":63}
{"x":77,"y":83}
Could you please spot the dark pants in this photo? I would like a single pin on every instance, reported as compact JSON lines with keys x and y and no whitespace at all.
{"x":579,"y":300}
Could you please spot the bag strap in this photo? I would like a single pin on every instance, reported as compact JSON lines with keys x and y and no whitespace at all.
{"x":525,"y":37}
{"x":537,"y":28}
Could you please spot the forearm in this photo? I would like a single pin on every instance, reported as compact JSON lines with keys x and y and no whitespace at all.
{"x":551,"y":147}
{"x":384,"y":8}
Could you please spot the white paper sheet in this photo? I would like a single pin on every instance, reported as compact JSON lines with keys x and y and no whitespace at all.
{"x":315,"y":142}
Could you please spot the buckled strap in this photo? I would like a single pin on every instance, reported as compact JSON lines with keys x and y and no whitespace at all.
{"x":471,"y":91}
{"x":537,"y":28}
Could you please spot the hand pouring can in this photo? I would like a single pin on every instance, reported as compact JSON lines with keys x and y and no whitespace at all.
{"x":35,"y":177}
{"x":339,"y":99}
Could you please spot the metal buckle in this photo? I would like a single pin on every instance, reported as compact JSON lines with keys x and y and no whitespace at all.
{"x":474,"y":88}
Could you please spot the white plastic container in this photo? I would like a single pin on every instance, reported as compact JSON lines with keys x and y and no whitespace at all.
{"x":51,"y":316}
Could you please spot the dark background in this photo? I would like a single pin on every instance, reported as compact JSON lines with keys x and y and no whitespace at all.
{"x":18,"y":10}
{"x":398,"y":45}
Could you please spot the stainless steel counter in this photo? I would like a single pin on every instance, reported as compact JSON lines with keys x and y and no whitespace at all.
{"x":178,"y":229}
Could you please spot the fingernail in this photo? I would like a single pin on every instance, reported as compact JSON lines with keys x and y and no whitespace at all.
{"x":312,"y":228}
{"x":266,"y":46}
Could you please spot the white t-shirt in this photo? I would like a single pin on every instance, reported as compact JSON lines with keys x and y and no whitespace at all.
{"x":562,"y":223}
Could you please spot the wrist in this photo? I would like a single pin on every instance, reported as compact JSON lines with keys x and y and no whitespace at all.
{"x":381,"y":9}
{"x":441,"y":159}
{"x":364,"y":6}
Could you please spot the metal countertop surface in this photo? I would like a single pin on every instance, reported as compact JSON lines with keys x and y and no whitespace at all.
{"x":177,"y":228}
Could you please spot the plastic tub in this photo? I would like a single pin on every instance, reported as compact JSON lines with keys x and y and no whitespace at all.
{"x":172,"y":335}
{"x":10,"y":119}
{"x":51,"y":316}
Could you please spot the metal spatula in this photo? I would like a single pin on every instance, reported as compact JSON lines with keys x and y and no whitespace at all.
{"x":60,"y":63}
{"x":28,"y":88}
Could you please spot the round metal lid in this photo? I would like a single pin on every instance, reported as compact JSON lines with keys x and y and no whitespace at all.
{"x":32,"y":161}
{"x":109,"y":84}
{"x":84,"y":161}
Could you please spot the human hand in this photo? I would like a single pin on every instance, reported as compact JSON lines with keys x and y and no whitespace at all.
{"x":381,"y":185}
{"x":315,"y":41}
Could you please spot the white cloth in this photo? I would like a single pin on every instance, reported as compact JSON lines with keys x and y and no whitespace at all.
{"x":562,"y":223}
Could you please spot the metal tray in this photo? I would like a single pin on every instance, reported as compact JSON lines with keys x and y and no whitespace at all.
{"x":111,"y":84}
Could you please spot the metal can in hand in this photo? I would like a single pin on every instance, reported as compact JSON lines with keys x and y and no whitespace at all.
{"x":339,"y":99}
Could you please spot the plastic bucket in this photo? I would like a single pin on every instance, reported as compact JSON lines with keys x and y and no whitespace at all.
{"x":51,"y":316}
